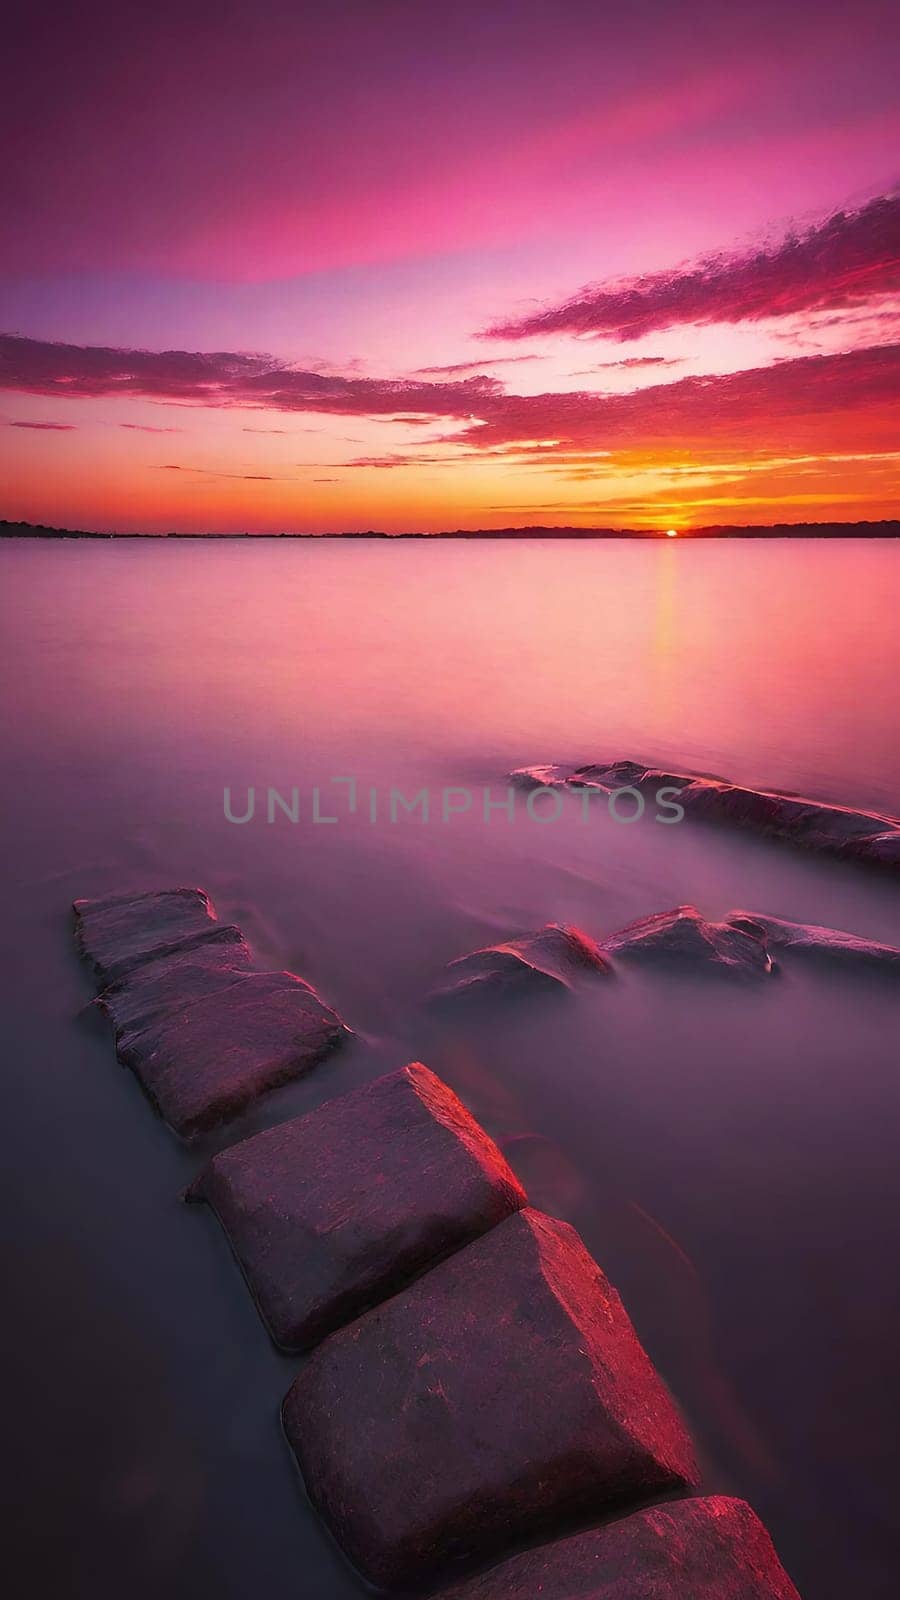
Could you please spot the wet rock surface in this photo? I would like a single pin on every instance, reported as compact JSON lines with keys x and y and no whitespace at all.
{"x":198,"y":967}
{"x":119,"y":932}
{"x":683,"y":938}
{"x":828,"y":945}
{"x":334,"y":1211}
{"x":544,"y":962}
{"x":830,"y":829}
{"x":207,"y":1061}
{"x":712,"y":1549}
{"x":203,"y":1032}
{"x":503,"y":1391}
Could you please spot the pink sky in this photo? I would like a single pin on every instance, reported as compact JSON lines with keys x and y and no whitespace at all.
{"x":326,"y":269}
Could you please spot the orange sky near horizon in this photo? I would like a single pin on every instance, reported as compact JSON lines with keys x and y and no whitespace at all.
{"x":326,"y":270}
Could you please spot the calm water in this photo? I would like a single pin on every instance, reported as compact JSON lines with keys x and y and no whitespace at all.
{"x":729,"y":1155}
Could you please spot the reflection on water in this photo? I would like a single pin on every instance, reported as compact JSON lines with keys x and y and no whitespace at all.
{"x":728,"y":1154}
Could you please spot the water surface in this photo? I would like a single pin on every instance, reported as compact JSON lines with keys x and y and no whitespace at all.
{"x":728,"y":1154}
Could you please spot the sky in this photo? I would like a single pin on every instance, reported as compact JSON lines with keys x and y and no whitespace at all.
{"x":284,"y":267}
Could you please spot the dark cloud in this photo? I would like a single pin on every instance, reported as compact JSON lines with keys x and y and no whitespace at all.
{"x":785,"y":401}
{"x":47,"y":427}
{"x":460,"y":367}
{"x":144,"y":427}
{"x":850,"y":258}
{"x":629,"y":364}
{"x":33,"y":366}
{"x":210,"y":472}
{"x":386,"y":462}
{"x":763,"y":402}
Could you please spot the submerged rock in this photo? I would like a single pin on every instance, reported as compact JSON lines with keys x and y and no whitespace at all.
{"x":207,"y":1060}
{"x":712,"y":1549}
{"x":120,"y":932}
{"x":334,"y":1211}
{"x":502,"y":1392}
{"x":832,"y":830}
{"x":820,"y":944}
{"x":544,"y":962}
{"x":684,"y":938}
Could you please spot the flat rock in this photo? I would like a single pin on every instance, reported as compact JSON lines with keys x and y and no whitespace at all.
{"x":544,"y":962}
{"x":683,"y":938}
{"x":833,"y":830}
{"x":713,"y":1549}
{"x":820,"y":944}
{"x":334,"y":1211}
{"x":207,"y":1059}
{"x":503,"y":1391}
{"x":198,"y":967}
{"x":119,"y":932}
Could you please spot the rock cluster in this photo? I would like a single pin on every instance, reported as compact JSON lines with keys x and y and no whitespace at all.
{"x":472,"y":1382}
{"x":833,"y":830}
{"x":745,"y":944}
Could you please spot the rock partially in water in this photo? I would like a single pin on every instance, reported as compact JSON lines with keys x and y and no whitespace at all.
{"x":683,"y":938}
{"x":334,"y":1211}
{"x":502,"y":1392}
{"x":203,"y":964}
{"x":205,"y":1034}
{"x":207,"y":1060}
{"x":120,"y":932}
{"x":828,"y":945}
{"x":538,"y":963}
{"x":832,"y":830}
{"x":712,"y":1549}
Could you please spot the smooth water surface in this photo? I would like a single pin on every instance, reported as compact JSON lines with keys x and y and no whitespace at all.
{"x":729,"y":1153}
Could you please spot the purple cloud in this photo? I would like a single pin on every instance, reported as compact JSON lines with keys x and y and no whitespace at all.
{"x":764,"y":404}
{"x":842,"y":262}
{"x":749,"y":406}
{"x":33,"y":366}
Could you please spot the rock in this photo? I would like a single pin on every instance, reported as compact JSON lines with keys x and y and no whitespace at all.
{"x":537,"y":963}
{"x":502,"y":1392}
{"x":713,"y":1549}
{"x":205,"y":1034}
{"x":199,"y":967}
{"x":207,"y":1060}
{"x":820,"y":944}
{"x":683,"y":937}
{"x":538,"y":777}
{"x":121,"y":931}
{"x":832,"y":830}
{"x":332,"y":1212}
{"x":883,"y":849}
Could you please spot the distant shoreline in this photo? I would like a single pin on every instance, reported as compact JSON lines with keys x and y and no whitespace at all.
{"x":776,"y":530}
